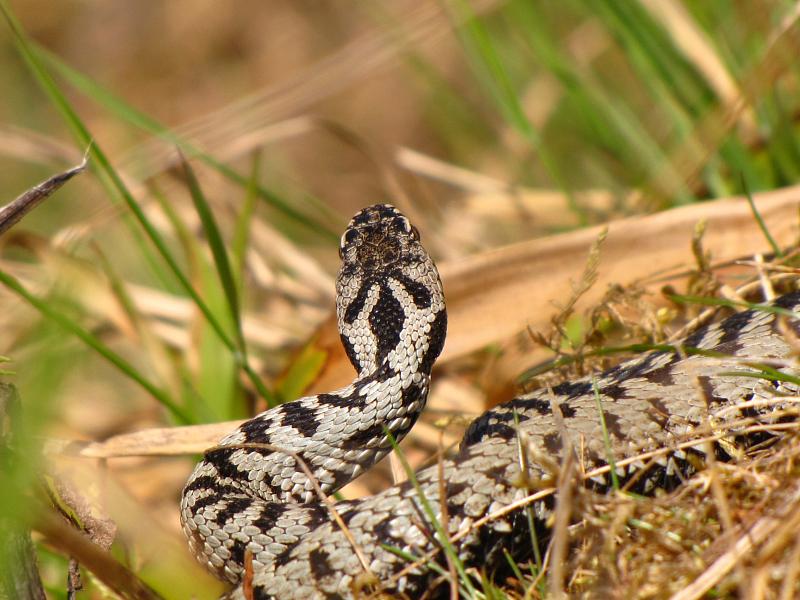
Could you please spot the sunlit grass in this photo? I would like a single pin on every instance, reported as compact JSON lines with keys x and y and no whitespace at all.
{"x":570,"y":97}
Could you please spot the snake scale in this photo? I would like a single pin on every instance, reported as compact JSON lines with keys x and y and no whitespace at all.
{"x":249,"y":499}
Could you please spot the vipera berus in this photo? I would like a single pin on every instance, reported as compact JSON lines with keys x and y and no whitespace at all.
{"x":249,"y":499}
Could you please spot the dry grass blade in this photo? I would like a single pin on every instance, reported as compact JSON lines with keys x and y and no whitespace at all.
{"x":433,"y":168}
{"x":568,"y":476}
{"x":334,"y":73}
{"x":29,"y":145}
{"x":758,"y":533}
{"x":11,"y":213}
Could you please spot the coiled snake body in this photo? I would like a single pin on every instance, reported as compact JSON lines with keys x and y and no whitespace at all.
{"x":247,"y":498}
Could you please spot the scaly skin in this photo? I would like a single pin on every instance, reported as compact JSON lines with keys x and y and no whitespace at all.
{"x":241,"y":498}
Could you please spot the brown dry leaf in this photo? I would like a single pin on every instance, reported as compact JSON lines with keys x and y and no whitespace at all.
{"x":161,"y":441}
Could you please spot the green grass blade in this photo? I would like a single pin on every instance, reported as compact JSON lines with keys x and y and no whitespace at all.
{"x":303,"y":370}
{"x":610,"y":121}
{"x":218,"y":251}
{"x":95,"y":344}
{"x":110,"y":177}
{"x":444,"y":537}
{"x":769,"y":308}
{"x":491,"y":72}
{"x":138,"y":119}
{"x":606,"y":438}
{"x":220,"y":408}
{"x":763,"y":226}
{"x":767,"y":373}
{"x":241,"y":232}
{"x":108,"y":174}
{"x":479,"y":46}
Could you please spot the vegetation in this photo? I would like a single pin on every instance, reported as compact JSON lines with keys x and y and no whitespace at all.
{"x":187,"y":277}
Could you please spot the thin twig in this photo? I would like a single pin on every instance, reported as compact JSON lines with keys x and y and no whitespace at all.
{"x":105,"y":567}
{"x":12,"y":212}
{"x":563,"y":511}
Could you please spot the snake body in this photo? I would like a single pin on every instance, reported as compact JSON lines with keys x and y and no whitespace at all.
{"x":249,"y":499}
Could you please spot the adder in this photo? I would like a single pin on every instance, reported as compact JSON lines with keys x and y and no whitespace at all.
{"x":254,"y":501}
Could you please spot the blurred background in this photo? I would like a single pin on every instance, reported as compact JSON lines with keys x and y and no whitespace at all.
{"x":489,"y":122}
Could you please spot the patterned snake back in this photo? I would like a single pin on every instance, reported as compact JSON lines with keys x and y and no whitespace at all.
{"x":251,"y":498}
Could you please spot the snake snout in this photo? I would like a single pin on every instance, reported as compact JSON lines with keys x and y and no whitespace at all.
{"x":377,"y":251}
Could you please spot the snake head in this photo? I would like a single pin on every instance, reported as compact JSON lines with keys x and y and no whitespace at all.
{"x":378,"y":237}
{"x":390,"y":302}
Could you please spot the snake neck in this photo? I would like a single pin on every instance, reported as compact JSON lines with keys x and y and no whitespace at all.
{"x":340,"y":434}
{"x":392,"y":321}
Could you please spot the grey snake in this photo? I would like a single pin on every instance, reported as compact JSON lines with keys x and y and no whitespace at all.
{"x":250,"y":503}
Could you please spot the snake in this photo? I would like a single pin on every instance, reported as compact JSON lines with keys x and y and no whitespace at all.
{"x":258,"y":510}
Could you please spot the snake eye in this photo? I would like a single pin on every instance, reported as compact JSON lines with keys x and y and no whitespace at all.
{"x":348,"y":237}
{"x":403,"y":225}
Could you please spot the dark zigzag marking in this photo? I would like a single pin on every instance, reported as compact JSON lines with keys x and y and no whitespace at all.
{"x":436,"y":335}
{"x":232,"y":507}
{"x":205,"y":482}
{"x":413,"y":393}
{"x":613,"y":425}
{"x":351,"y":352}
{"x":255,"y":431}
{"x":645,"y":369}
{"x":237,"y":551}
{"x":386,"y":321}
{"x":210,"y":500}
{"x":302,"y":418}
{"x":320,"y":565}
{"x":353,"y":400}
{"x":360,"y":438}
{"x":552,"y":442}
{"x":418,"y":291}
{"x":384,"y":373}
{"x":220,"y":459}
{"x":352,"y":310}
